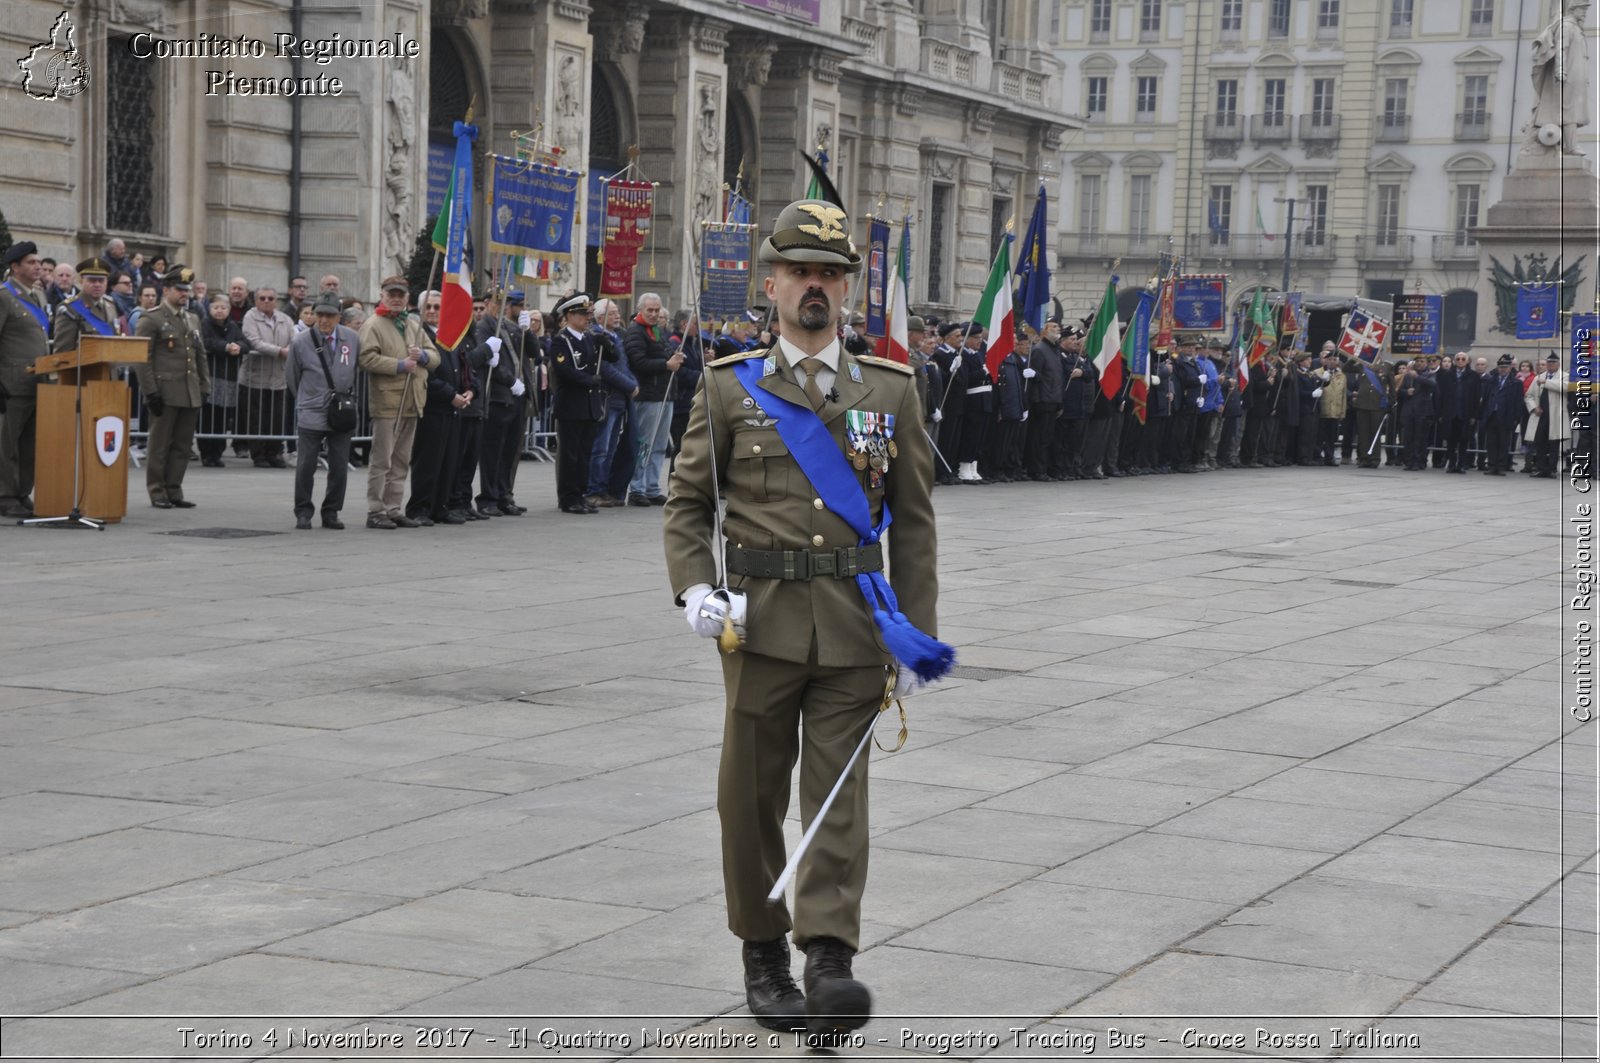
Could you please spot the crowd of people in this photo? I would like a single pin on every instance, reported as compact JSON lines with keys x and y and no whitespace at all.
{"x":244,"y":366}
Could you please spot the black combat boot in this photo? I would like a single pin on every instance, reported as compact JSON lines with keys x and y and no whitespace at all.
{"x":835,"y":1002}
{"x":769,"y":989}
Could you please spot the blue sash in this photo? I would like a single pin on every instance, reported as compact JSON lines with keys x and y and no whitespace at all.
{"x":835,"y":482}
{"x":33,"y":308}
{"x":1377,"y":385}
{"x":90,"y":318}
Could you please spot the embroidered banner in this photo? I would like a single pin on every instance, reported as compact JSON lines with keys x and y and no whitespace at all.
{"x":532,"y":209}
{"x":628,"y":205}
{"x":1200,"y":302}
{"x":725,"y":272}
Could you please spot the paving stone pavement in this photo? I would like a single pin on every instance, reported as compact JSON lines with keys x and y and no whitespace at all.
{"x":1266,"y":750}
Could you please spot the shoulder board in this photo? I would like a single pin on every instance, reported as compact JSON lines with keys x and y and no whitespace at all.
{"x":883,"y":363}
{"x":741,"y":356}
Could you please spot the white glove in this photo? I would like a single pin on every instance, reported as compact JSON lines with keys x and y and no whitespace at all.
{"x":1316,"y":393}
{"x":938,"y":415}
{"x":524,"y":319}
{"x":518,"y":387}
{"x":697,"y":598}
{"x":1025,"y":415}
{"x":1029,"y":374}
{"x":494,"y":350}
{"x":1155,"y":378}
{"x":906,"y":683}
{"x":1201,"y":401}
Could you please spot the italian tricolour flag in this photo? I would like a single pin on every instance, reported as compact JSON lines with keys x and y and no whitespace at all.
{"x":896,"y":344}
{"x":995,"y":314}
{"x":1104,"y":342}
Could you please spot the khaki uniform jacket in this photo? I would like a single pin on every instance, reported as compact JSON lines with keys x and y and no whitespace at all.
{"x":383,"y":348}
{"x":66,"y":327}
{"x":1365,"y":397}
{"x":21,"y":342}
{"x":1335,"y":400}
{"x":177,"y":369}
{"x":772,"y":506}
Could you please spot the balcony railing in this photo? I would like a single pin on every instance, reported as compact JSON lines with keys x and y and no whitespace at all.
{"x":1393,"y":128}
{"x":1455,"y":248}
{"x":1271,"y":128}
{"x":866,"y":34}
{"x":1111,"y":245}
{"x":1472,"y":125}
{"x":1384,"y":247}
{"x":941,"y":59}
{"x":1019,"y":83}
{"x":1227,"y":127}
{"x":1319,"y":127}
{"x":1307,"y":246}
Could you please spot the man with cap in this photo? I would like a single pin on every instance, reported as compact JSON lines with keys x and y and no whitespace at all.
{"x":1501,"y":410}
{"x":24,"y":337}
{"x":580,"y":400}
{"x":90,"y":313}
{"x":813,"y":659}
{"x":977,"y":414}
{"x":321,"y":363}
{"x":175,"y":383}
{"x":1046,"y":389}
{"x":1548,"y":423}
{"x":1369,"y":394}
{"x":397,"y":356}
{"x":1417,"y":392}
{"x":510,"y":383}
{"x":952,"y":406}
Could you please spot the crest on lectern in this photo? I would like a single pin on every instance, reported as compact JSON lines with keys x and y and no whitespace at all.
{"x":109,"y":433}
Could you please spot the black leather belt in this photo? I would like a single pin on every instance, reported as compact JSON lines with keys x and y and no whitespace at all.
{"x":842,"y":562}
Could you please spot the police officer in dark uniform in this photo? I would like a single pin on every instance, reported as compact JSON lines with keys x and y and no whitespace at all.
{"x":953,"y":401}
{"x":580,"y":401}
{"x":175,"y":382}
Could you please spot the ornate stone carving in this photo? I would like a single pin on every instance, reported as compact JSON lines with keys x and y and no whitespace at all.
{"x":709,"y":36}
{"x":566,"y":119}
{"x":981,"y":117}
{"x":1561,"y":104}
{"x":708,"y":147}
{"x":398,"y":176}
{"x":908,"y":101}
{"x":1050,"y":139}
{"x":576,"y":10}
{"x":149,"y":13}
{"x":457,"y":12}
{"x":1226,"y":149}
{"x":753,"y":62}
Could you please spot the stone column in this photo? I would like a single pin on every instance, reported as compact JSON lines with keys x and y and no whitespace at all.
{"x":683,"y":85}
{"x":799,"y":111}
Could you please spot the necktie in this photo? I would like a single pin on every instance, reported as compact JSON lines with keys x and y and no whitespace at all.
{"x":811,"y":367}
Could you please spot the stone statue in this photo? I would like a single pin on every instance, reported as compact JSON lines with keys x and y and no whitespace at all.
{"x":1560,"y":84}
{"x":708,"y":164}
{"x":569,"y":107}
{"x":398,"y":178}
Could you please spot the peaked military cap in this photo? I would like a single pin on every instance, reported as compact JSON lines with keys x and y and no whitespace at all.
{"x":916,"y":324}
{"x":327,"y":303}
{"x":580,"y":302}
{"x":812,"y":230}
{"x":93,"y":267}
{"x":1505,"y":359}
{"x":180,"y":277}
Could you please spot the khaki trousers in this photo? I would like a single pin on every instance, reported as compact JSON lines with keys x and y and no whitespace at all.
{"x":778,"y":712}
{"x":389,"y":463}
{"x":166,"y":456}
{"x":1367,"y":424}
{"x":17,"y":447}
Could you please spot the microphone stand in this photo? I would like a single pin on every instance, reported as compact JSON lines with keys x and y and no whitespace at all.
{"x":74,"y":517}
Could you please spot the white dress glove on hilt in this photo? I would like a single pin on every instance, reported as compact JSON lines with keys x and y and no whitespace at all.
{"x":698,"y":599}
{"x":938,"y":415}
{"x":906,"y":682}
{"x":1316,"y":393}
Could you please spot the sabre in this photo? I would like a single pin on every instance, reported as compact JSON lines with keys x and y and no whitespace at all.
{"x":1378,"y":434}
{"x":935,"y":447}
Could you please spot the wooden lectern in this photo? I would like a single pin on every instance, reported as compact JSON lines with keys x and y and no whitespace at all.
{"x":101,"y":490}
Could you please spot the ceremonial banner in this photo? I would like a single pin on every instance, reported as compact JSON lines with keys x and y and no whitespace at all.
{"x":1136,"y":351}
{"x":1200,"y":302}
{"x":1538,"y":311}
{"x":1103,"y":345}
{"x":1418,"y":320}
{"x":877,"y":275}
{"x":725,"y":252}
{"x":1033,"y":268}
{"x":628,"y":205}
{"x":1364,"y":335}
{"x":896,"y":342}
{"x":532,"y":208}
{"x":994,"y":312}
{"x":454,"y":225}
{"x":596,"y":203}
{"x":1166,"y":319}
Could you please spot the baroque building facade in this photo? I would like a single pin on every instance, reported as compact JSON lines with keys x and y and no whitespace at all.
{"x":944,"y":110}
{"x":1391,"y":124}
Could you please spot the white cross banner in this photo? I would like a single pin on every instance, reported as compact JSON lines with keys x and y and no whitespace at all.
{"x":1364,"y":335}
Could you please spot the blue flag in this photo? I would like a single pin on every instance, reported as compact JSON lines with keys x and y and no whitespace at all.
{"x":1538,"y":311}
{"x":1033,"y":268}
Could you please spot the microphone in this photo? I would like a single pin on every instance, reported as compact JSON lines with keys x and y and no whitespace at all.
{"x":832,"y":395}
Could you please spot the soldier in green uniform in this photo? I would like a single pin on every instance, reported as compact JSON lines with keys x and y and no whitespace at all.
{"x":175,"y":382}
{"x":1369,"y":395}
{"x":24,"y":337}
{"x":91,"y":313}
{"x":813,"y":661}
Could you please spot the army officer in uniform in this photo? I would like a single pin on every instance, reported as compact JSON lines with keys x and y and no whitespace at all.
{"x":92,"y":313}
{"x":175,"y":382}
{"x":24,"y":337}
{"x":813,"y":661}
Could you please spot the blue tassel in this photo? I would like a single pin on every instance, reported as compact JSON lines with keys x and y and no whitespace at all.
{"x":925,"y":655}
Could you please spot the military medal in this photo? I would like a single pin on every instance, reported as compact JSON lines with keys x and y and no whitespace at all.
{"x":858,"y":459}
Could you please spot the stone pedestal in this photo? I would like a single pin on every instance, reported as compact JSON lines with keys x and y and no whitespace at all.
{"x":1548,"y":215}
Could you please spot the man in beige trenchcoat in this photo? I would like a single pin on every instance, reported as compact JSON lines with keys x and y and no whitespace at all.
{"x":397,"y":356}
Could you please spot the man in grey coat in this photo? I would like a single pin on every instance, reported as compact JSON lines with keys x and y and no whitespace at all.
{"x":328,"y":343}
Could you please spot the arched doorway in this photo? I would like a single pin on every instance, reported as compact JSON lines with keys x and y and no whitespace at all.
{"x":1460,"y":326}
{"x":608,"y":153}
{"x":741,"y":143}
{"x":452,"y":86}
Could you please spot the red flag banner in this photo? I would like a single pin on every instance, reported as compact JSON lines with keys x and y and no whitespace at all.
{"x":628,"y":207}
